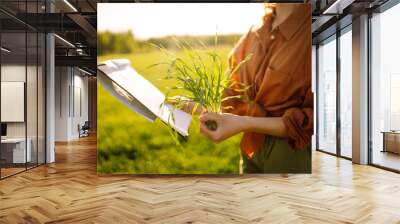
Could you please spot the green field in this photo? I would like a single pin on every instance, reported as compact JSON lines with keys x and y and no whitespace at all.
{"x":128,"y":143}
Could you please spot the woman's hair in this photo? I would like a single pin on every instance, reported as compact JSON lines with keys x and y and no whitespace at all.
{"x":269,"y":5}
{"x":269,"y":8}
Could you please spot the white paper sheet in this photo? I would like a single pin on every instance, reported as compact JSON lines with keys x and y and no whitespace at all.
{"x":137,"y":93}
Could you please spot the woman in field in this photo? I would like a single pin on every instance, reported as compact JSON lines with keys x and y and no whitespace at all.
{"x":276,"y":113}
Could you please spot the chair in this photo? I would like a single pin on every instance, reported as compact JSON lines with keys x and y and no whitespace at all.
{"x":84,"y":130}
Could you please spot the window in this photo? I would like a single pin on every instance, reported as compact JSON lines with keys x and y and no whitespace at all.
{"x":346,"y":93}
{"x":327,"y":96}
{"x":15,"y":147}
{"x":22,"y":77}
{"x":314,"y":89}
{"x":394,"y":102}
{"x":385,"y":89}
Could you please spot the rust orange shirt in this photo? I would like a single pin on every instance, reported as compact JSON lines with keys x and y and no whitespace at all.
{"x":278,"y":75}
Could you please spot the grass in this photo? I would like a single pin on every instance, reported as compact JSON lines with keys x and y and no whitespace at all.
{"x":200,"y":76}
{"x":127,"y":143}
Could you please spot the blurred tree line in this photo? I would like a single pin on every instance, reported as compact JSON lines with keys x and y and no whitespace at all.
{"x":125,"y":42}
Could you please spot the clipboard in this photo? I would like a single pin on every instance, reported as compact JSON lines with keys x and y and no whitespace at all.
{"x":120,"y":79}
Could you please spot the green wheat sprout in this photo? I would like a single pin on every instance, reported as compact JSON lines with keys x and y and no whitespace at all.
{"x":198,"y":83}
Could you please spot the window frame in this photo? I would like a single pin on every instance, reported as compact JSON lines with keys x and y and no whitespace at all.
{"x":26,"y":30}
{"x":378,"y":10}
{"x":333,"y":37}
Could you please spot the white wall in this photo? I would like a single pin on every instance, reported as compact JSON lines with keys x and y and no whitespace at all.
{"x":12,"y":73}
{"x":33,"y":126}
{"x":61,"y":103}
{"x":360,"y":90}
{"x":80,"y":109}
{"x":71,"y":94}
{"x":50,"y":94}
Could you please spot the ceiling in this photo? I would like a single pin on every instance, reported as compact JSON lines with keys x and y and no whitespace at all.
{"x":332,"y":15}
{"x":75,"y":21}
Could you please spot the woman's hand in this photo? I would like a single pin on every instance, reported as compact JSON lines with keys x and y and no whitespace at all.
{"x":186,"y":105}
{"x":227,"y":125}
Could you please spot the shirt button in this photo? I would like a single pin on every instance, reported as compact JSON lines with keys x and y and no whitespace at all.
{"x":272,"y":37}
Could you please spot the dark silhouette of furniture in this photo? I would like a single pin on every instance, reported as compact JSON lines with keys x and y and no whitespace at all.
{"x":84,"y":129}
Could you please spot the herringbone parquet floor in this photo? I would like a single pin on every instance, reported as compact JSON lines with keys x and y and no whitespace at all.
{"x":70,"y":191}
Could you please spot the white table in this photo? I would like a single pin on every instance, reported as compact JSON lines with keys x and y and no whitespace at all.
{"x":18,"y":144}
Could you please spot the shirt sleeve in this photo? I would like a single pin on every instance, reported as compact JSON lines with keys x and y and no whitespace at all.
{"x":299,"y":123}
{"x":237,"y":54}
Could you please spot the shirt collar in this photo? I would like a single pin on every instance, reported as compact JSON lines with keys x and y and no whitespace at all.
{"x":291,"y":24}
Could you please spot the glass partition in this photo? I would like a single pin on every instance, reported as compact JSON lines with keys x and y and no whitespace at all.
{"x":14,"y":151}
{"x":41,"y":110}
{"x":346,"y":93}
{"x":385,"y":89}
{"x":31,"y":99}
{"x":327,"y":95}
{"x":22,"y":77}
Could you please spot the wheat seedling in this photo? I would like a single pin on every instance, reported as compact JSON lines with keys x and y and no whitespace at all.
{"x":198,"y":81}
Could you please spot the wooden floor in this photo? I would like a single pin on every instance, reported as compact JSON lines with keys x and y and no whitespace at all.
{"x":70,"y":191}
{"x":8,"y":171}
{"x":5,"y":172}
{"x":387,"y":159}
